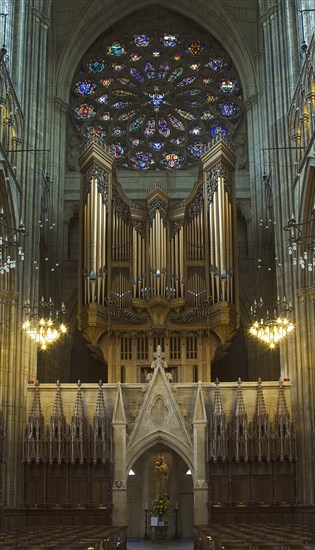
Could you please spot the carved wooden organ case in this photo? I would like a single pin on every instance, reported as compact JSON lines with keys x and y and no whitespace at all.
{"x":158,"y":269}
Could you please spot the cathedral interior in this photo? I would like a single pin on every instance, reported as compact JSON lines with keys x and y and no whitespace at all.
{"x":157,"y":263}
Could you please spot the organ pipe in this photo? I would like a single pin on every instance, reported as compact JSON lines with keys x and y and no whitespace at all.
{"x":220,"y":210}
{"x":136,"y":253}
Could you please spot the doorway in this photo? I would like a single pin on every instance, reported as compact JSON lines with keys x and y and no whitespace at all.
{"x":144,"y":485}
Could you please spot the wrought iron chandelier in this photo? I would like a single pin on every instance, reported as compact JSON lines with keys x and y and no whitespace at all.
{"x":44,"y":330}
{"x":9,"y":241}
{"x":272,"y":324}
{"x":302,"y":241}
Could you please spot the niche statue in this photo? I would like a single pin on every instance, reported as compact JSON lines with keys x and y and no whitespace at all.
{"x":161,"y":476}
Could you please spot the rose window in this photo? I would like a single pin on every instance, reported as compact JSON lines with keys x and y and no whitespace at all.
{"x":156,"y":99}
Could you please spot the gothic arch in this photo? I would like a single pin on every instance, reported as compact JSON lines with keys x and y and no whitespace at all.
{"x":209,"y":17}
{"x":145,"y":443}
{"x":70,"y":211}
{"x":244,"y":209}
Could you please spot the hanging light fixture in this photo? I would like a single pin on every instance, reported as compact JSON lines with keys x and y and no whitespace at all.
{"x":272,"y":327}
{"x":44,"y":330}
{"x":9,"y":241}
{"x":302,"y":241}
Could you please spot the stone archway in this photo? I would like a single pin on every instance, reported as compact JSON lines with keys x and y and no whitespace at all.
{"x":142,"y":488}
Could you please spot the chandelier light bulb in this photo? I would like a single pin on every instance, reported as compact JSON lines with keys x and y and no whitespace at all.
{"x":270,"y":332}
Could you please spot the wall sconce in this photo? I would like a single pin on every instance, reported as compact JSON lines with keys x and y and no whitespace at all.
{"x":298,"y":238}
{"x":8,"y":241}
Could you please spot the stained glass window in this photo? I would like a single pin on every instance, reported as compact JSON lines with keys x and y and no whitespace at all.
{"x":169,"y":40}
{"x":163,"y":70}
{"x":164,"y":128}
{"x":185,"y":114}
{"x":196,"y":47}
{"x":142,"y":40}
{"x":118,"y":131}
{"x":196,"y":130}
{"x":96,"y":66}
{"x":85,"y":87}
{"x":172,"y":160}
{"x":136,"y":124}
{"x":215,"y":64}
{"x":135,"y":57}
{"x":176,"y":123}
{"x":157,"y":145}
{"x":134,"y":142}
{"x":186,"y":81}
{"x":118,"y":67}
{"x":228,"y":109}
{"x":106,"y":116}
{"x":127,"y":115}
{"x":177,"y":56}
{"x":206,"y":115}
{"x":95,"y":131}
{"x":84,"y":111}
{"x":149,"y":70}
{"x":179,"y":140}
{"x":191,"y":91}
{"x":126,"y":82}
{"x":156,"y":98}
{"x":106,"y":82}
{"x":228,"y":86}
{"x":142,"y":160}
{"x":137,"y":75}
{"x":116,"y":49}
{"x":175,"y":74}
{"x":117,"y":150}
{"x":215,"y":130}
{"x":150,"y":127}
{"x":195,"y":149}
{"x":103,"y":99}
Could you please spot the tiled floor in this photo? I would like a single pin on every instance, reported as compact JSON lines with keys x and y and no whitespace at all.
{"x":141,"y":544}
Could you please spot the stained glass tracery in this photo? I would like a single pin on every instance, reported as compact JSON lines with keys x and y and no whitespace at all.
{"x":156,"y":99}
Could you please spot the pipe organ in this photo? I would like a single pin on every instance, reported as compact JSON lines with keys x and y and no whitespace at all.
{"x":167,"y":268}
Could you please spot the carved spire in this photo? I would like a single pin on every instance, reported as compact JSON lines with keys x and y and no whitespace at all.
{"x":261,"y":428}
{"x":78,"y":435}
{"x":217,"y":433}
{"x":34,"y":433}
{"x":240,"y":428}
{"x":119,"y":416}
{"x":57,"y":436}
{"x":200,"y":410}
{"x":101,"y":439}
{"x":284,"y":434}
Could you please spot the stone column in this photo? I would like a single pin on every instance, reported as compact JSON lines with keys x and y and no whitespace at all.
{"x":29,"y":74}
{"x":200,"y":475}
{"x":119,"y":495}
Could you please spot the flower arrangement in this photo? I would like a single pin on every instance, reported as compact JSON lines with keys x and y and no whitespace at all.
{"x":160,"y":506}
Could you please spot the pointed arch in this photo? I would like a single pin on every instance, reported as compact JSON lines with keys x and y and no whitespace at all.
{"x":147,"y":442}
{"x":210,"y":18}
